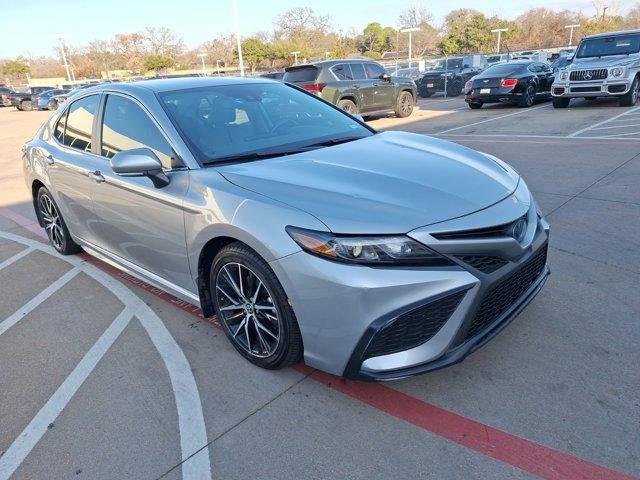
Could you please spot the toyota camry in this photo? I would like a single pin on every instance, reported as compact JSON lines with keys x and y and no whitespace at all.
{"x":372,"y":255}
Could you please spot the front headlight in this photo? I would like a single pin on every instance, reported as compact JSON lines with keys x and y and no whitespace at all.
{"x":367,"y":249}
{"x":564,"y":75}
{"x":616,"y":72}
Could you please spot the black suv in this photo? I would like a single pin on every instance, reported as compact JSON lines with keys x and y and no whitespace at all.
{"x":452,"y":72}
{"x":356,"y":86}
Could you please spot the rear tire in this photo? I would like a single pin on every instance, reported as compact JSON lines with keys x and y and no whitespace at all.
{"x":424,"y":93}
{"x":529,"y":96}
{"x":404,"y":105}
{"x":55,"y":226}
{"x":630,"y":98}
{"x":559,"y":102}
{"x":454,"y":88}
{"x":475,"y":105}
{"x":259,"y":300}
{"x":26,"y":105}
{"x":348,"y":106}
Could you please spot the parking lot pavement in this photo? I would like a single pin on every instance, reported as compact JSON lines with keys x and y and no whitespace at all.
{"x":103,"y":377}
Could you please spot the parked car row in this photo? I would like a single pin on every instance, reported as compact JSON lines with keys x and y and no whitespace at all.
{"x":38,"y":97}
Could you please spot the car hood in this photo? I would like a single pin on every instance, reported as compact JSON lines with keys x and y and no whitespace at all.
{"x":391,"y":182}
{"x":604,"y":62}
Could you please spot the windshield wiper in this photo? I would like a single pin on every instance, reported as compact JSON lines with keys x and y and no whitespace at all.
{"x":243,"y":157}
{"x":330,"y":142}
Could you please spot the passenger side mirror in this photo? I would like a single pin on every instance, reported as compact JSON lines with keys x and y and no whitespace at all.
{"x":385,"y":77}
{"x":140,"y":162}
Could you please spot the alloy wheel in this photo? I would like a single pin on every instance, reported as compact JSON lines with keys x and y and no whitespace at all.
{"x":247,"y":310}
{"x":636,"y":92}
{"x":52,"y":221}
{"x":530,"y":96}
{"x":405,"y":104}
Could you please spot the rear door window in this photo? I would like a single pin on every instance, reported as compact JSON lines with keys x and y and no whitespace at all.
{"x":301,"y":74}
{"x":76,"y":125}
{"x":357,"y":69}
{"x":342,"y":71}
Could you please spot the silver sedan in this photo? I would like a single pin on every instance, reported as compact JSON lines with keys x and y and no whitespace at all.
{"x":372,"y":255}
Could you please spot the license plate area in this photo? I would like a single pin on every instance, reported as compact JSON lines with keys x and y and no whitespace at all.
{"x":485,"y":91}
{"x":429,"y":85}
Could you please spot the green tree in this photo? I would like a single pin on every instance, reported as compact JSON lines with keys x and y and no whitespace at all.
{"x":468,"y":30}
{"x":255,"y":51}
{"x":158,"y":63}
{"x":376,"y":38}
{"x":15,"y":67}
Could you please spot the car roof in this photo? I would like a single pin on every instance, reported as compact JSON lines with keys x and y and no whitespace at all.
{"x":184,"y":83}
{"x":329,"y":63}
{"x":613,"y":34}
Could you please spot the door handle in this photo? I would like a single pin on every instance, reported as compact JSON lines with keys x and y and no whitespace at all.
{"x":97,"y":176}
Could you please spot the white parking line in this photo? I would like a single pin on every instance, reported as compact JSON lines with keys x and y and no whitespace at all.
{"x":493,"y":118}
{"x":191,"y":425}
{"x":37,"y":427}
{"x":10,"y":321}
{"x":621,"y":134}
{"x":603,"y":122}
{"x":16,"y":257}
{"x":618,"y":126}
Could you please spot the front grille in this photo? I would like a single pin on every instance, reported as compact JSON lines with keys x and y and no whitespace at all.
{"x":588,"y":75}
{"x":413,"y":328}
{"x":558,"y":90}
{"x":503,"y":230}
{"x":484,"y":263}
{"x":507,"y":291}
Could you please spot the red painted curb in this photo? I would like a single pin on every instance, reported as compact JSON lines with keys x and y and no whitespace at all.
{"x":516,"y":451}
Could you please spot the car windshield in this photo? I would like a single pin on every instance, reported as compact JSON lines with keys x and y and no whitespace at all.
{"x":604,"y":46}
{"x":253,"y":120}
{"x":451,"y":64}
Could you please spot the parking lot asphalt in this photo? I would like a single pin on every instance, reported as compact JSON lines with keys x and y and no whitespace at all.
{"x":102,"y":376}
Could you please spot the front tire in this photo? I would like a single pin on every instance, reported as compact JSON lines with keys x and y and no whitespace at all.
{"x":348,"y":106}
{"x":560,"y":102}
{"x":26,"y":105}
{"x":404,"y":105}
{"x":475,"y":105}
{"x":57,"y":231}
{"x":630,"y":98}
{"x":253,"y":308}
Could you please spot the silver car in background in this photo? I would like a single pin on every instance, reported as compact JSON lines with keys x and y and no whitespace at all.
{"x":310,"y":235}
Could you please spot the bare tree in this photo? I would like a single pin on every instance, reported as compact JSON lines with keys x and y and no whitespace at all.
{"x":414,"y":16}
{"x":163,"y":41}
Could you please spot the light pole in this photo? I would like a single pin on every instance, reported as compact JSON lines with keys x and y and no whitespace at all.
{"x":410,"y":31}
{"x":218,"y":66}
{"x":604,"y":12}
{"x":571,"y":32}
{"x":60,"y":37}
{"x":204,"y":70}
{"x":237,"y":24}
{"x":295,"y":56}
{"x":499,"y":32}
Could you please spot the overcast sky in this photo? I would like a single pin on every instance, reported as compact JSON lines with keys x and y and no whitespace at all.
{"x":29,"y":26}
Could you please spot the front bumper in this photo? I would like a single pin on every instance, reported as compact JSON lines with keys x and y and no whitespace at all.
{"x":341,"y":309}
{"x":609,"y":88}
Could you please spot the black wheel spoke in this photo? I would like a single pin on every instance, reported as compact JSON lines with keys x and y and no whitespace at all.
{"x":246,"y":309}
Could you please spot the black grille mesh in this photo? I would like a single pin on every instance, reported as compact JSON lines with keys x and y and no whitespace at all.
{"x":413,"y":328}
{"x":484,"y":263}
{"x":507,"y":291}
{"x":588,"y":75}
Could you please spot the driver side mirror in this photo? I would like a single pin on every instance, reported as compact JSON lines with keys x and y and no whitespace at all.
{"x":385,"y":77}
{"x":140,"y":162}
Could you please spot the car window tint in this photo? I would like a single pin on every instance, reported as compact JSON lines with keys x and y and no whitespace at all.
{"x":342,"y":71}
{"x":357,"y":69}
{"x":126,"y":126}
{"x":545,"y":68}
{"x":79,"y":123}
{"x":59,"y":129}
{"x":373,"y":70}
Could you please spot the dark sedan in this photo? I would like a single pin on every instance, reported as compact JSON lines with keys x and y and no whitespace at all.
{"x":518,"y":82}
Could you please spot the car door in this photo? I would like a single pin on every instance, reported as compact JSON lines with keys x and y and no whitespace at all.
{"x":546,"y":77}
{"x":384,"y":91}
{"x":363,"y":86}
{"x":69,"y":157}
{"x":135,"y":221}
